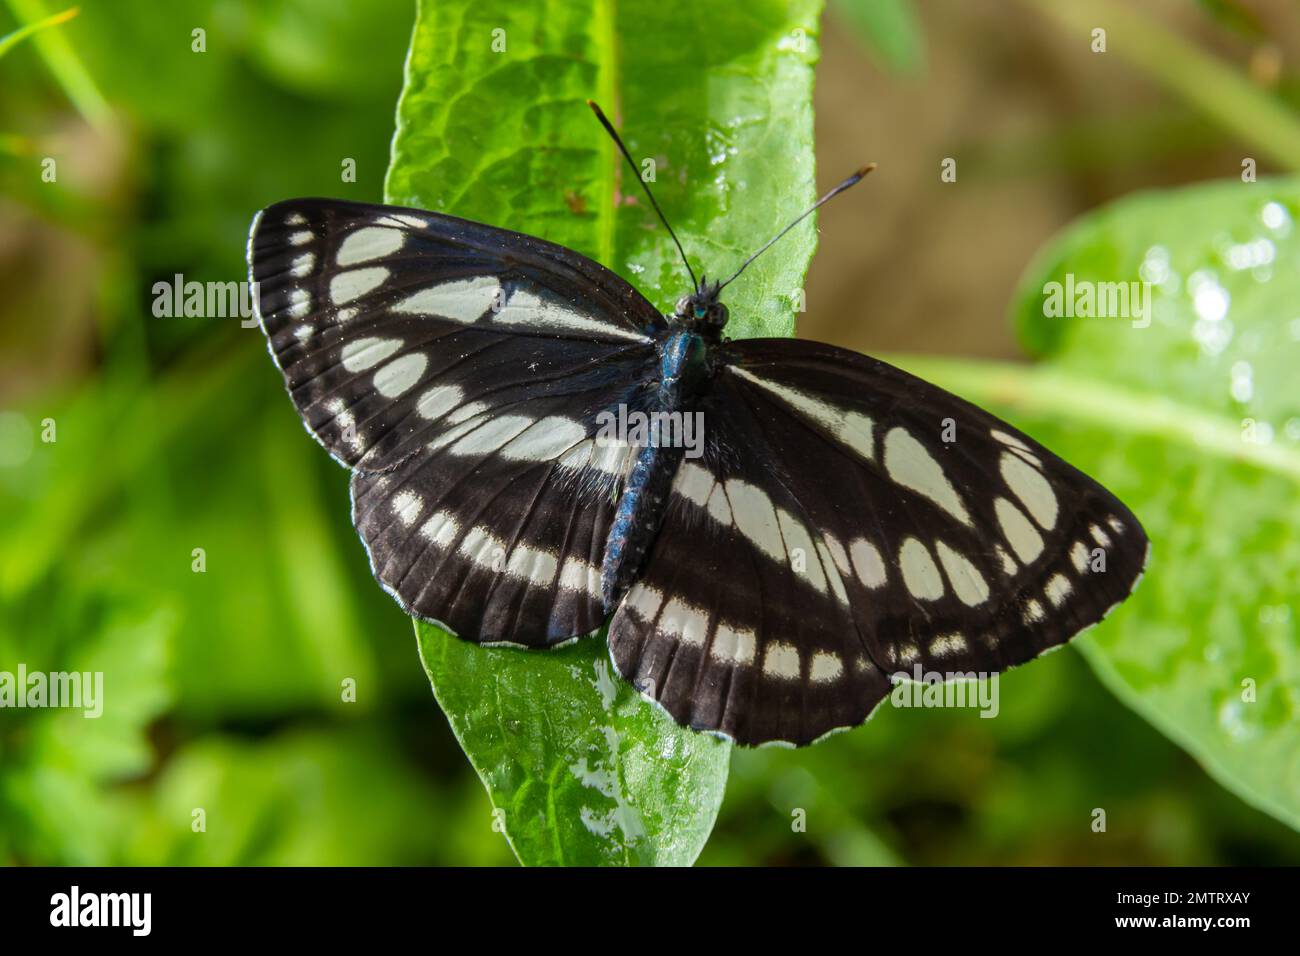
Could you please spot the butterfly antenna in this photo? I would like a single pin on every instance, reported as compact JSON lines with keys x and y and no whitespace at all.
{"x":609,"y":128}
{"x":851,"y":181}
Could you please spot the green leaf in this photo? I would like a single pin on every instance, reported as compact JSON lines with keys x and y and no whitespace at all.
{"x":719,"y":98}
{"x":1194,"y":421}
{"x":582,"y":770}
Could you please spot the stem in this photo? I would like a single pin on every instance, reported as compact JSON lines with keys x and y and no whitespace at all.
{"x":1053,"y":393}
{"x":64,"y":63}
{"x":1220,"y":92}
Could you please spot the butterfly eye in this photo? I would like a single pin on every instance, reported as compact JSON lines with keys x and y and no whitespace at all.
{"x":700,"y":311}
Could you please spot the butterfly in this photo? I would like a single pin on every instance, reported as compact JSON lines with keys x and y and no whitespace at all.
{"x":837,"y":522}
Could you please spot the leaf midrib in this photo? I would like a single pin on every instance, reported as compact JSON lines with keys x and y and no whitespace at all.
{"x":607,"y":83}
{"x":1050,"y":390}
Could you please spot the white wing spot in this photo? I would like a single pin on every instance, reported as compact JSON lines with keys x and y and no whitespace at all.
{"x":920,"y":573}
{"x":491,"y":435}
{"x":459,"y":430}
{"x":463,"y":300}
{"x":1115,"y":524}
{"x":967,"y":582}
{"x":361,"y":354}
{"x":756,"y":517}
{"x":407,"y":505}
{"x":947,"y":644}
{"x":851,"y":428}
{"x":482,"y":547}
{"x":731,"y":646}
{"x":441,"y":529}
{"x":295,"y":219}
{"x":1058,"y":589}
{"x":867,"y":562}
{"x":693,"y":483}
{"x":300,"y":238}
{"x":1098,"y":535}
{"x":1033,"y":611}
{"x":911,"y":465}
{"x":353,"y":284}
{"x":580,"y":575}
{"x":832,"y":573}
{"x":1031,"y":488}
{"x":536,"y":566}
{"x":373,"y":242}
{"x":1006,"y":439}
{"x":400,"y":219}
{"x":797,"y":539}
{"x":347,"y":423}
{"x":466,"y":412}
{"x":1029,"y":457}
{"x":781,"y":661}
{"x":644,"y":601}
{"x":838,"y":554}
{"x":439,"y":400}
{"x":299,"y":303}
{"x":527,"y":310}
{"x":719,"y":508}
{"x":687,"y":622}
{"x":611,"y":459}
{"x":1009,"y":565}
{"x":303,"y":265}
{"x":1023,"y":537}
{"x":1079,"y":556}
{"x":545,"y":440}
{"x":825,"y":667}
{"x":400,"y":375}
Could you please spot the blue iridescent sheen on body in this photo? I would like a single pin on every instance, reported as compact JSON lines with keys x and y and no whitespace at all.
{"x":641,"y":506}
{"x":672,"y":364}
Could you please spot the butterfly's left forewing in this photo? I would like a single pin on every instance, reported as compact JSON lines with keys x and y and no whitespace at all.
{"x":847,"y":523}
{"x":458,"y":370}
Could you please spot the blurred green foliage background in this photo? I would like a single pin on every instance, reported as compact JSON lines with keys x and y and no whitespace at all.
{"x":173,"y":434}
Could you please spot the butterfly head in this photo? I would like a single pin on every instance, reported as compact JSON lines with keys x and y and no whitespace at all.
{"x":702,"y":309}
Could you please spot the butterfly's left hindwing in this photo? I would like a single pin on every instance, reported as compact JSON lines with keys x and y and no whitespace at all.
{"x":458,"y":370}
{"x":847,"y":523}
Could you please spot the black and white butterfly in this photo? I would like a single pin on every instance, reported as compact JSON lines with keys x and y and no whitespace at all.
{"x":845,"y":522}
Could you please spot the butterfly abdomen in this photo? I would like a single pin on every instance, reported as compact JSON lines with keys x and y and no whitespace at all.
{"x":636,"y":519}
{"x":683,"y":373}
